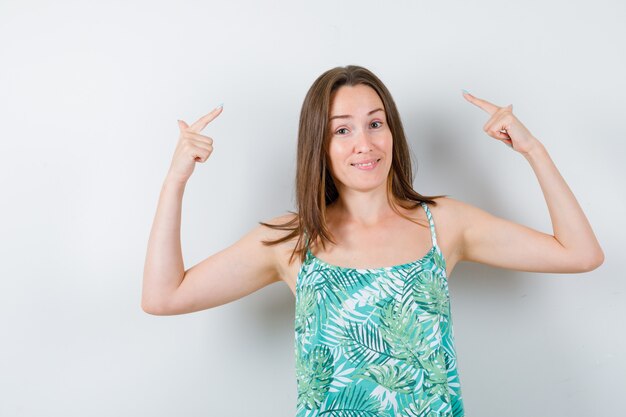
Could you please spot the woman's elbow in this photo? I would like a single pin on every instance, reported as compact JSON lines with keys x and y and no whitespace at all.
{"x":593,"y":261}
{"x":155,"y":309}
{"x":151,"y":309}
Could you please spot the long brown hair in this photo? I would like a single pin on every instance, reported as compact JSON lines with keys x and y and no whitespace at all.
{"x":315,"y":187}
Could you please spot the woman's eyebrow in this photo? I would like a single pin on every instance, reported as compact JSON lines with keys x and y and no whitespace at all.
{"x":347,"y":116}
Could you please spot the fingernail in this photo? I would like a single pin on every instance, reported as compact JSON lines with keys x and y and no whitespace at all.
{"x":465,"y":91}
{"x":221,"y":105}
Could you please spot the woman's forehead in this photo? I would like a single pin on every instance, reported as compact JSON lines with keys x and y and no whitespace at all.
{"x":355,"y":101}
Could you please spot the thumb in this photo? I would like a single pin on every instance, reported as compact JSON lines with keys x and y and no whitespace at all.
{"x":182,"y":125}
{"x":510,"y":107}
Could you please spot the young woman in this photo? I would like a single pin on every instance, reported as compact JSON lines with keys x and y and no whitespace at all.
{"x":362,"y":256}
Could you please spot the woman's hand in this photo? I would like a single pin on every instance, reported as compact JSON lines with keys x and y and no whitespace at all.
{"x":192,"y":147}
{"x":504,"y":126}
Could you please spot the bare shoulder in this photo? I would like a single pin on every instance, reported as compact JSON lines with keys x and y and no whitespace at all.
{"x":450,"y":218}
{"x":457,"y":216}
{"x":453,"y":210}
{"x":460,"y":214}
{"x":282,"y":251}
{"x":270,"y":233}
{"x":448,"y":211}
{"x":463,"y":223}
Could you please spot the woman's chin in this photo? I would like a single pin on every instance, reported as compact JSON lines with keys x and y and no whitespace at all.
{"x":364,"y":186}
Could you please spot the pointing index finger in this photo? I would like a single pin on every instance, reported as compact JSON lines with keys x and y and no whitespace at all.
{"x":201,"y":123}
{"x":483,"y":104}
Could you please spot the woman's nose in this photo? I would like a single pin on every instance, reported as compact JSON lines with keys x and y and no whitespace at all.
{"x":363,"y":142}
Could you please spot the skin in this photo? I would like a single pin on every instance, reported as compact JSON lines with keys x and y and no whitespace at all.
{"x":368,"y":233}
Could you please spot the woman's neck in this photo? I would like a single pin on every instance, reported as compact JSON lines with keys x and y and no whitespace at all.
{"x":363,"y":209}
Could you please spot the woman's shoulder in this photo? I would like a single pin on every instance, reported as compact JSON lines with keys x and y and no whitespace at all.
{"x":438,"y":206}
{"x":452,"y":208}
{"x":278,"y":226}
{"x":448,"y":213}
{"x":279,"y":231}
{"x":284,"y":217}
{"x":456,"y":217}
{"x":446,"y":205}
{"x":288,"y":218}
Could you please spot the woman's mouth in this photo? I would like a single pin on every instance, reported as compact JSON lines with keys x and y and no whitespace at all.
{"x":366,"y":166}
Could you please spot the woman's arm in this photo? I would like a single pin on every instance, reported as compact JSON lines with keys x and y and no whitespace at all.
{"x":495,"y":241}
{"x":163,"y":268}
{"x":230,"y":274}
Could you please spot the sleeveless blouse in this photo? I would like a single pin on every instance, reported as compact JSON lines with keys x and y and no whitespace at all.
{"x":376,"y":342}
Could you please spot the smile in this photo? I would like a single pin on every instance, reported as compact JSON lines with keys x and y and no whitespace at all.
{"x":366,"y":166}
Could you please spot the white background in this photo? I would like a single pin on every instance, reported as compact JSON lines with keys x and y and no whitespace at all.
{"x":89,"y":97}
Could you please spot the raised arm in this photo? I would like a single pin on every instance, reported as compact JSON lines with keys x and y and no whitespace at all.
{"x":232,"y":273}
{"x":495,"y":241}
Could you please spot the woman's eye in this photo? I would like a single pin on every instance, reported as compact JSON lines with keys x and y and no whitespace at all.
{"x":342,"y":131}
{"x":376,"y":124}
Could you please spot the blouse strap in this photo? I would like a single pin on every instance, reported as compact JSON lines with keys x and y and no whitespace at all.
{"x":431,"y":222}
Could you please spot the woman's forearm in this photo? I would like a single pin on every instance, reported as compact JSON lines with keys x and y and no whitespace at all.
{"x":164,"y":268}
{"x":569,"y":223}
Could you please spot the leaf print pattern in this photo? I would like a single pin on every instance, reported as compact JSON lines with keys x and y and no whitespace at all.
{"x":352,"y":402}
{"x":407,"y":335}
{"x":363,"y":343}
{"x":430,"y":294}
{"x":391,"y":377}
{"x":304,"y":309}
{"x":376,"y":342}
{"x":314,"y":372}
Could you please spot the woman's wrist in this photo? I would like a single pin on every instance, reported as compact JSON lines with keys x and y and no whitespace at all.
{"x":535,"y":150}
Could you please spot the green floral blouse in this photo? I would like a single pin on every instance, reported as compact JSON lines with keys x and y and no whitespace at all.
{"x":376,"y":342}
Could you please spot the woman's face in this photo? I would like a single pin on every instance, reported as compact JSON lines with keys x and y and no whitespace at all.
{"x":359,"y":135}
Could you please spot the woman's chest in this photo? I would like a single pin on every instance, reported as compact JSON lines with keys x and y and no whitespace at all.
{"x":395,"y":243}
{"x":290,"y":272}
